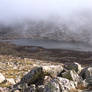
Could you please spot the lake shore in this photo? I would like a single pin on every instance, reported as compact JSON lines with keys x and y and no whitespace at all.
{"x":50,"y":55}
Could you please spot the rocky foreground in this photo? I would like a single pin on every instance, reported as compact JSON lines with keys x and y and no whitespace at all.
{"x":50,"y":78}
{"x":35,"y":69}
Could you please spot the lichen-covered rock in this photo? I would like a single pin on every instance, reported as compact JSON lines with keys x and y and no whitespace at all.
{"x":82,"y":73}
{"x":52,"y":70}
{"x":78,"y":67}
{"x":74,"y":66}
{"x":86,"y":72}
{"x":71,"y":75}
{"x":33,"y":77}
{"x":35,"y":74}
{"x":2,"y":78}
{"x":68,"y":80}
{"x":59,"y":85}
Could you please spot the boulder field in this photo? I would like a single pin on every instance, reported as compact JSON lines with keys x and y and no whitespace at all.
{"x":52,"y":78}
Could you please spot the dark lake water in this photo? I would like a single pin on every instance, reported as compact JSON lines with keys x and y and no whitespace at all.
{"x":51,"y":44}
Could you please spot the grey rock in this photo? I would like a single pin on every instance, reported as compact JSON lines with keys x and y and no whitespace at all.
{"x":74,"y":66}
{"x":32,"y":76}
{"x":86,"y":72}
{"x":52,"y":70}
{"x":89,"y":83}
{"x":32,"y":89}
{"x":73,"y":76}
{"x":59,"y":85}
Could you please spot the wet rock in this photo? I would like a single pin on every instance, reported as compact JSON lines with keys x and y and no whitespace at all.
{"x":59,"y":85}
{"x":2,"y":78}
{"x":52,"y":70}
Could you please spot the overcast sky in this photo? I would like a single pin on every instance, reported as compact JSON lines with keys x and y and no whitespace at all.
{"x":19,"y":9}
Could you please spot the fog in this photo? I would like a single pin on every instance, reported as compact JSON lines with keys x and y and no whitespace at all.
{"x":66,"y":20}
{"x":11,"y":10}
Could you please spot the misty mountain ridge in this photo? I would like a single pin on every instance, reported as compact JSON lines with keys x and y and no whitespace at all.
{"x":76,"y":28}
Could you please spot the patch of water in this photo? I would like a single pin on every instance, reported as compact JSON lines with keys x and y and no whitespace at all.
{"x":51,"y":44}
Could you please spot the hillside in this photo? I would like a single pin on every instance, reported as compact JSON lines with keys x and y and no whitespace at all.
{"x":17,"y":61}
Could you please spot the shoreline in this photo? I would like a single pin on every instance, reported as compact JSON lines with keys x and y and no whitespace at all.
{"x":51,"y":44}
{"x":50,"y":55}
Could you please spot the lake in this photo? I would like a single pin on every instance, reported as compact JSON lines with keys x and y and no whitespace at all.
{"x":52,"y":44}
